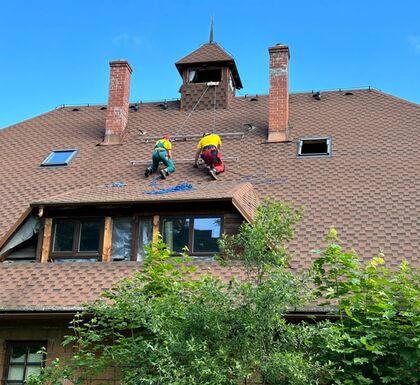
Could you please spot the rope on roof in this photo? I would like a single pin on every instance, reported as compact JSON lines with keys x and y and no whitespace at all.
{"x":178,"y":188}
{"x":191,"y":112}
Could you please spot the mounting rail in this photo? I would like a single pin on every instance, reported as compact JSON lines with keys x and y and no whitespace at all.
{"x":185,"y":160}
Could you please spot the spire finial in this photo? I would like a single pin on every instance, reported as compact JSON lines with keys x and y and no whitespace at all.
{"x":211,"y":31}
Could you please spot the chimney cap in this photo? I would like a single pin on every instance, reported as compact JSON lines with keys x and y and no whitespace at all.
{"x":121,"y":63}
{"x":279,"y":47}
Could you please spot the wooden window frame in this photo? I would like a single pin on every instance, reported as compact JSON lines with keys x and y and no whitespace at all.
{"x":9,"y":346}
{"x":190,"y":245}
{"x":75,"y":253}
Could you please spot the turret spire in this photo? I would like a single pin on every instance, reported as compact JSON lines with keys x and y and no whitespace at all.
{"x":211,"y":31}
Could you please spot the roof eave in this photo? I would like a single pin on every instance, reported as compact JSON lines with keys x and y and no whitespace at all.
{"x":230,"y":63}
{"x":128,"y":202}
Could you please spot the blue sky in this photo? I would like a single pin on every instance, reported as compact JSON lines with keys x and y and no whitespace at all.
{"x":57,"y":52}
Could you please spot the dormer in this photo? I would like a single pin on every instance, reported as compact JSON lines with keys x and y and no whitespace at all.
{"x":209,"y":75}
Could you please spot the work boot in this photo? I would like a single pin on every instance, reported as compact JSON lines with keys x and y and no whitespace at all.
{"x":147,"y":172}
{"x":213,"y":173}
{"x":164,"y":173}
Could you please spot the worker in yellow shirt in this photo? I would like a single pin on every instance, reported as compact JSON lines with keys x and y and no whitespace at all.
{"x":162,"y":153}
{"x":209,"y":148}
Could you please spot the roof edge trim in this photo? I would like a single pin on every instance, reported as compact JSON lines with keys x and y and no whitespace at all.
{"x":243,"y":212}
{"x":15,"y":226}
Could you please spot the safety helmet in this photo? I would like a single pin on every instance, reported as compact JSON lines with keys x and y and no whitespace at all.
{"x":167,"y":137}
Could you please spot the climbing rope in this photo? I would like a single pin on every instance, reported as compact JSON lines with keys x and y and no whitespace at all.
{"x":214,"y":110}
{"x":178,"y":188}
{"x":191,"y":112}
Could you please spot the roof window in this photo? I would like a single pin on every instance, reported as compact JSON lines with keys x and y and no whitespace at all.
{"x":59,"y":158}
{"x":314,"y":147}
{"x":205,"y":75}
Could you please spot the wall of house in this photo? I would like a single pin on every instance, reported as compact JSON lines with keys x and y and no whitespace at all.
{"x":192,"y":92}
{"x":14,"y":331}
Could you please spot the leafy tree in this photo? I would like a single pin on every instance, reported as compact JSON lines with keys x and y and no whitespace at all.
{"x":261,"y":246}
{"x":162,"y":327}
{"x":378,"y":328}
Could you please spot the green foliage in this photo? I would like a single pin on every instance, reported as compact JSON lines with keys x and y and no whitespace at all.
{"x":261,"y":246}
{"x":161,"y":327}
{"x":378,"y":330}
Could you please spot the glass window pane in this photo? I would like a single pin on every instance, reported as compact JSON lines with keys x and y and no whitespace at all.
{"x":16,"y":372}
{"x":206,"y":234}
{"x":63,"y":236}
{"x":34,"y":355}
{"x":145,"y":237}
{"x":60,"y":157}
{"x":314,"y":147}
{"x":32,"y":369}
{"x":176,"y":233}
{"x":89,"y":236}
{"x":121,"y":239}
{"x":18,"y":354}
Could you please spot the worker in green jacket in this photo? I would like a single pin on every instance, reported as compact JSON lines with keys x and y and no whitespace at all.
{"x":162,"y":153}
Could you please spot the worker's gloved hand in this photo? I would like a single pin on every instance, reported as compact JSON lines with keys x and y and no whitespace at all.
{"x":195,"y":165}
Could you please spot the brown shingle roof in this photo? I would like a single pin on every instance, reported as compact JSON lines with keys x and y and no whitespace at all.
{"x":368,"y":189}
{"x":210,"y":53}
{"x":136,"y":192}
{"x":67,"y":286}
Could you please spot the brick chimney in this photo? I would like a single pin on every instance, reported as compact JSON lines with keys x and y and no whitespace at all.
{"x":118,"y":102}
{"x":278,"y":100}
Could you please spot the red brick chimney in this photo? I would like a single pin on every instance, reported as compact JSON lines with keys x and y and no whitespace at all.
{"x":118,"y":102}
{"x":278,"y":100}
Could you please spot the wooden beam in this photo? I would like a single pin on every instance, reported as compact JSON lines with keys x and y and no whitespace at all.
{"x":135,"y":238}
{"x":46,"y":242}
{"x":106,"y":248}
{"x":155,"y":234}
{"x":40,"y":240}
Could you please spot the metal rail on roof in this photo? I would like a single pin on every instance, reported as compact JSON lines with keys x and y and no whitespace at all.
{"x":186,"y":137}
{"x":186,"y":160}
{"x":248,"y":127}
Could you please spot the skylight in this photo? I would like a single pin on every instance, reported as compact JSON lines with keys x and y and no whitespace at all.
{"x":59,"y":158}
{"x":314,"y":147}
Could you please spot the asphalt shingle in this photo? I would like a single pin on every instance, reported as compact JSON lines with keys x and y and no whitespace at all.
{"x":368,"y":189}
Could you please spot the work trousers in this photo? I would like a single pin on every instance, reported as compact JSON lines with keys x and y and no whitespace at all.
{"x":213,"y":159}
{"x":161,"y":156}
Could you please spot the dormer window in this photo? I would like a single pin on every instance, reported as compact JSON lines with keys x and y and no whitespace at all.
{"x":59,"y":158}
{"x":314,"y":147}
{"x":77,"y":239}
{"x":205,"y":75}
{"x":199,"y":234}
